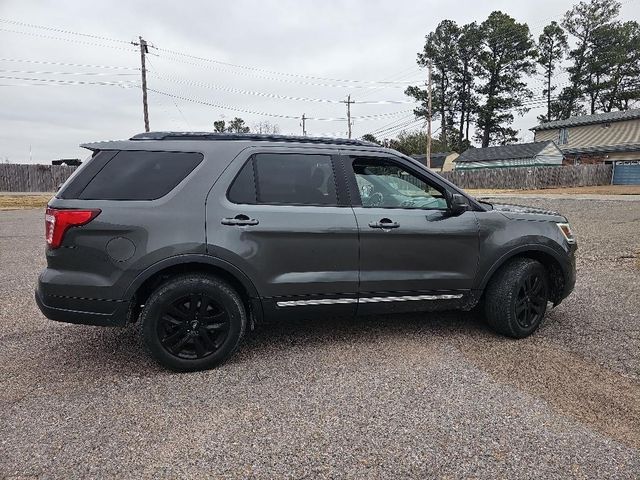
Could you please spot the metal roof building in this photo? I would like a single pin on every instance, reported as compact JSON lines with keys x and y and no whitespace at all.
{"x":517,"y":155}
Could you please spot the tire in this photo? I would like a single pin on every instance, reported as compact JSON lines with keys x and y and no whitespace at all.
{"x":193,"y":322}
{"x":516,"y":298}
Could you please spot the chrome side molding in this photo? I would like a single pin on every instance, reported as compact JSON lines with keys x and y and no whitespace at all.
{"x":343,"y":301}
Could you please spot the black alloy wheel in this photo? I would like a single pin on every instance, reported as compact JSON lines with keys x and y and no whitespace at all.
{"x":531,"y":301}
{"x":193,"y":322}
{"x":193,"y":327}
{"x":515,"y":300}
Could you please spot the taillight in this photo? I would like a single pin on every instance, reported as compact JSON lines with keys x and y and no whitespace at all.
{"x":58,"y":221}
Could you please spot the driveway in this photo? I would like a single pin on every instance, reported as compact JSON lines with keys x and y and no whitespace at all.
{"x":376,"y":397}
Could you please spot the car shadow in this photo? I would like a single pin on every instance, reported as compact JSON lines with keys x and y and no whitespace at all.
{"x":120,"y":352}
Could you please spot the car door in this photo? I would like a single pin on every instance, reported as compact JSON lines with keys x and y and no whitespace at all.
{"x":282,"y":216}
{"x":413,"y":251}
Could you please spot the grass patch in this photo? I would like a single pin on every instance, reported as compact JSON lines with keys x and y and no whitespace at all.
{"x":14,"y":202}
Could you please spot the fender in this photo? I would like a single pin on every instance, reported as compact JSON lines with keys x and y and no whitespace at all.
{"x":192,"y":258}
{"x":529,"y":247}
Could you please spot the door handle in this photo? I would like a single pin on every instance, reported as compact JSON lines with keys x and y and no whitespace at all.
{"x":240,"y":221}
{"x":384,"y":224}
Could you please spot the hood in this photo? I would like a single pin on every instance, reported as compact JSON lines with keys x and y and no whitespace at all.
{"x":521,"y":212}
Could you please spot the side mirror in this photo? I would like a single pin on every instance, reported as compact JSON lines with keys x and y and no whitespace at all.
{"x":457,"y":203}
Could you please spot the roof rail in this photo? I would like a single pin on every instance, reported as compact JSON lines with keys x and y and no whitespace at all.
{"x":247,"y":136}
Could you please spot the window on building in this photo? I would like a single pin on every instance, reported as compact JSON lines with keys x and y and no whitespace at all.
{"x":563,"y":136}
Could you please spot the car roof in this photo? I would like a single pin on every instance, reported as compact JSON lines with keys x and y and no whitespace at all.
{"x":179,"y":140}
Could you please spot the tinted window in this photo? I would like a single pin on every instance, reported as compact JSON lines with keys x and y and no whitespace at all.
{"x":296,"y":179}
{"x":140,"y":175}
{"x":385,"y":184}
{"x":243,"y":189}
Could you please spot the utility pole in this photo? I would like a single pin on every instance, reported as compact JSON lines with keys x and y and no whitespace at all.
{"x":144,"y":49}
{"x":428,"y":115}
{"x":349,"y":102}
{"x":304,"y":129}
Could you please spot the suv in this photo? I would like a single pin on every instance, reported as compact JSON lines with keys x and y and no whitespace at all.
{"x":200,"y":236}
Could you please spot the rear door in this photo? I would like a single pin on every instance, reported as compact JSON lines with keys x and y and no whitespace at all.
{"x":413,"y":250}
{"x":281,"y":215}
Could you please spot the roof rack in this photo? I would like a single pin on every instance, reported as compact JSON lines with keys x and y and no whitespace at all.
{"x":247,"y":136}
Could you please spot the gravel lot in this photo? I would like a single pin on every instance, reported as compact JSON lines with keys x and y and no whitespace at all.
{"x":401,"y":396}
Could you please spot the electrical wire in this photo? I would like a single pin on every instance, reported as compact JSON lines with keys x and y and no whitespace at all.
{"x":71,"y":40}
{"x":125,"y":84}
{"x":87,"y":65}
{"x":59,"y":30}
{"x":275,"y":115}
{"x":274,"y":95}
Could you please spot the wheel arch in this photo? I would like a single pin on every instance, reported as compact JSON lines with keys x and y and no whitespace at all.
{"x":147,"y":281}
{"x":548,"y":257}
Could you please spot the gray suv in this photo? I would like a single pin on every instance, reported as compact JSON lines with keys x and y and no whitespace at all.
{"x":200,"y":236}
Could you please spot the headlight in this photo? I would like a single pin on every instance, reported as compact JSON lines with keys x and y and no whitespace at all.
{"x":565,"y":228}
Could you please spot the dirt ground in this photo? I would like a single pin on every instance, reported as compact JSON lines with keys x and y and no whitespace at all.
{"x":596,"y":190}
{"x":403,"y":396}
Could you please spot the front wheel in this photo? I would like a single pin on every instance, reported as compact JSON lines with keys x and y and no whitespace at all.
{"x":193,"y":322}
{"x":516,"y":298}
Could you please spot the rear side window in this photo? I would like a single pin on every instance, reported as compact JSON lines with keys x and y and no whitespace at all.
{"x":295,"y":179}
{"x":140,"y":175}
{"x":243,"y":189}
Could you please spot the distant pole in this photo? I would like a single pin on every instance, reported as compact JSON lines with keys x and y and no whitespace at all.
{"x":304,"y":128}
{"x":429,"y":115}
{"x":144,"y":49}
{"x":349,"y":102}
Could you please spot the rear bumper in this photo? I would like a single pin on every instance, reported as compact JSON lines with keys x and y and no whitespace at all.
{"x":82,"y":310}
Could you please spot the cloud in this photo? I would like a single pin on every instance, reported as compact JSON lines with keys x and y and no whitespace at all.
{"x":367,"y":40}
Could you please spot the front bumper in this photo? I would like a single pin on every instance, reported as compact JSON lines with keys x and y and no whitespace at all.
{"x":82,"y":310}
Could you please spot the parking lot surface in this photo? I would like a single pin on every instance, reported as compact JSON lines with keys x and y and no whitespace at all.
{"x":375,"y":397}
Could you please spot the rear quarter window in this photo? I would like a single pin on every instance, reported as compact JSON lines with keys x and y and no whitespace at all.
{"x":140,"y":175}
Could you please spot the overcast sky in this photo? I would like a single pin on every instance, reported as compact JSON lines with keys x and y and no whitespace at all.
{"x":317,"y":44}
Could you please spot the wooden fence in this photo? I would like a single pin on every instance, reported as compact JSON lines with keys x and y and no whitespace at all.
{"x":32,"y":178}
{"x":47,"y":178}
{"x":532,"y":178}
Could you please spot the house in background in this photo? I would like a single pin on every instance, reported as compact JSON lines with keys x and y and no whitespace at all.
{"x":440,"y":161}
{"x":536,"y":154}
{"x":600,"y":138}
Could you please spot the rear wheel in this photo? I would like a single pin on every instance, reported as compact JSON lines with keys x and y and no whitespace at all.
{"x":193,"y":322}
{"x":516,"y":298}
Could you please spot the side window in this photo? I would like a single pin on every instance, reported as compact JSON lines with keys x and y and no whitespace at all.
{"x":294,"y":179}
{"x":385,"y":184}
{"x":140,"y":175}
{"x":243,"y":188}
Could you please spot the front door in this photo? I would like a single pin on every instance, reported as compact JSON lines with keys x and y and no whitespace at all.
{"x":413,"y":251}
{"x":286,"y":222}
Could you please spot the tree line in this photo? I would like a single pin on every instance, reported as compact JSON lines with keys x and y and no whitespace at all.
{"x":480,"y":72}
{"x":238,"y":125}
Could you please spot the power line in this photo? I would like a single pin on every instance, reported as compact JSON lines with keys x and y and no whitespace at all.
{"x":277,"y":79}
{"x":173,"y":100}
{"x":275,"y":115}
{"x":71,"y":40}
{"x":88,"y":65}
{"x":274,"y":72}
{"x":59,"y":30}
{"x":39,"y":72}
{"x":275,"y":95}
{"x":126,"y":84}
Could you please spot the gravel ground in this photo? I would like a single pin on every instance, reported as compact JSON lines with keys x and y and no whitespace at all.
{"x":376,"y":397}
